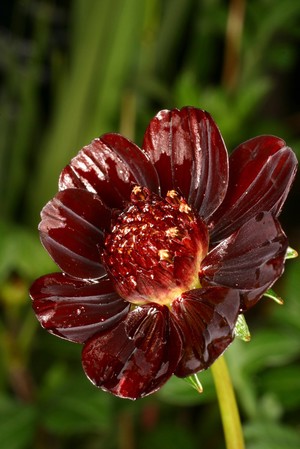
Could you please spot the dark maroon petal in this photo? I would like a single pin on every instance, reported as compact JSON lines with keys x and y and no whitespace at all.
{"x":206,"y":318}
{"x":252,"y":258}
{"x":189,"y":154}
{"x":136,"y":357}
{"x":261,"y":172}
{"x":72,"y":231}
{"x":110,"y":166}
{"x":75,"y":309}
{"x":249,"y":298}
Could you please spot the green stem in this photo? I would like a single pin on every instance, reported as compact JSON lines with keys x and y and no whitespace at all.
{"x":228,"y":406}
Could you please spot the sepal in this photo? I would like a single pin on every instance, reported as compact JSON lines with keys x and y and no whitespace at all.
{"x":241,"y":329}
{"x":291,"y":253}
{"x":194,"y":381}
{"x":271,"y":294}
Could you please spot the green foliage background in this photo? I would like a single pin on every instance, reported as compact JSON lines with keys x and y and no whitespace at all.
{"x":72,"y":70}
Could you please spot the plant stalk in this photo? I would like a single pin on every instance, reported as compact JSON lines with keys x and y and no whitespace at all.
{"x":228,"y":407}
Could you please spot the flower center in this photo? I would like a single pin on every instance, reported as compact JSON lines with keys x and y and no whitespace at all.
{"x":155,"y":248}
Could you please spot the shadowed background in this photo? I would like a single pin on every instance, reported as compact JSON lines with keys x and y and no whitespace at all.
{"x":74,"y":69}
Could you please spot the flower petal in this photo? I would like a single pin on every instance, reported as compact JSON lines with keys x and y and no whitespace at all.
{"x":72,"y":231}
{"x":252,"y":258}
{"x":261,"y":172}
{"x":110,"y":166}
{"x":189,"y":154}
{"x":138,"y":356}
{"x":206,"y":317}
{"x":75,"y":309}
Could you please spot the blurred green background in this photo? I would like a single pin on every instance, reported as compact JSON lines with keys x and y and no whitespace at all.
{"x":71,"y":70}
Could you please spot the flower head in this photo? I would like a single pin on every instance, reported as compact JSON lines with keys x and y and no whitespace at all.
{"x":161,"y":248}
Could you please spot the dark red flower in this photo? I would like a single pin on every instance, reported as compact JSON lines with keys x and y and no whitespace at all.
{"x":161,"y":248}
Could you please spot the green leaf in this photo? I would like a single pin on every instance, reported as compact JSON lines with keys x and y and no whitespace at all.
{"x":21,"y":252}
{"x":283,"y":382}
{"x":271,"y":435}
{"x":168,"y":436}
{"x":72,"y":405}
{"x":17,"y":424}
{"x":267,"y":349}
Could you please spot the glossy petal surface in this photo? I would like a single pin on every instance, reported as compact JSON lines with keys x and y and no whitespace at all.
{"x":249,"y":298}
{"x":206,"y":318}
{"x":110,"y":166}
{"x":252,"y":258}
{"x":72,"y":231}
{"x":261,"y":172}
{"x":189,"y":155}
{"x":135,"y":230}
{"x":74,"y":309}
{"x":138,"y":356}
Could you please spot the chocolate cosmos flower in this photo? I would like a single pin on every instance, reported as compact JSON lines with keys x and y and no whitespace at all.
{"x":161,"y":248}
